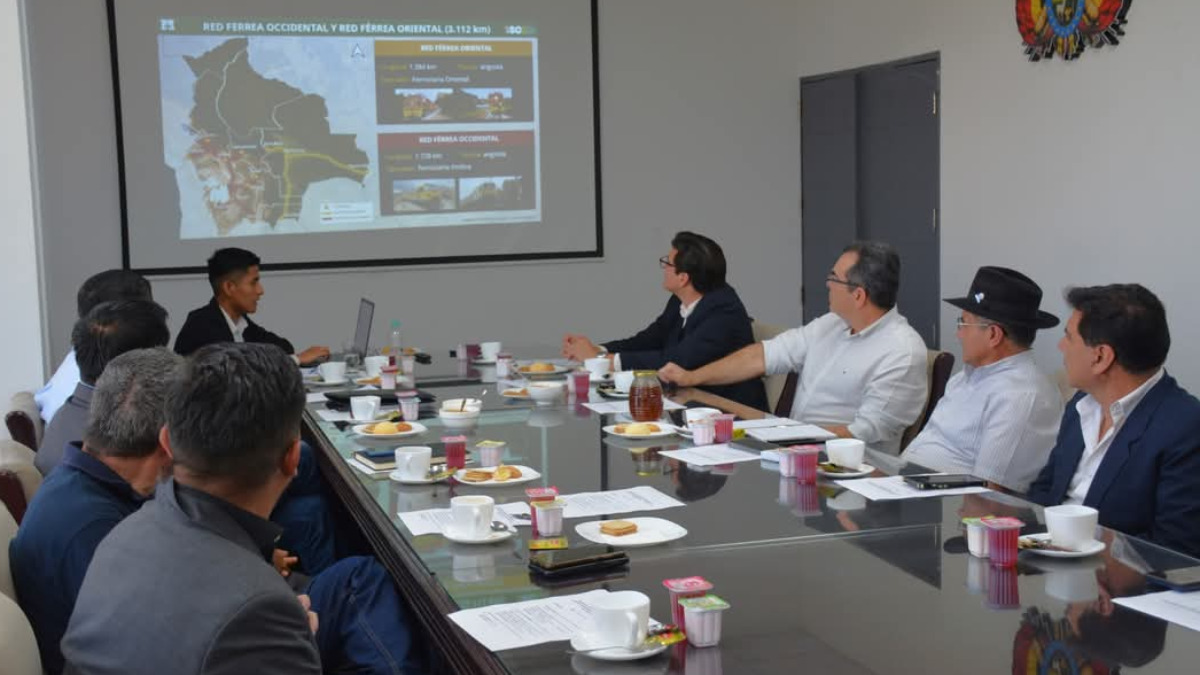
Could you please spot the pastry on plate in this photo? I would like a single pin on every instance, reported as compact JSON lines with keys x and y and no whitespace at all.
{"x":504,"y":473}
{"x":539,"y":367}
{"x":618,"y":528}
{"x":637,"y":429}
{"x":476,"y":476}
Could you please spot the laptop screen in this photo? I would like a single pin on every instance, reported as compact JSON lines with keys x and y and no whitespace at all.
{"x":362,"y":332}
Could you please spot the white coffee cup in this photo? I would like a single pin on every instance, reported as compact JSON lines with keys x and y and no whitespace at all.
{"x":365,"y":408}
{"x":1071,"y":525}
{"x":598,"y":366}
{"x":333,"y":371}
{"x":692,"y":414}
{"x":471,"y":516}
{"x":623,"y":380}
{"x":412,"y":462}
{"x":846,"y":452}
{"x":373,"y":365}
{"x":488,"y":351}
{"x":619,"y":619}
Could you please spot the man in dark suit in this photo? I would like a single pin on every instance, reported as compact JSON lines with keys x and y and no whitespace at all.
{"x":1129,"y":443}
{"x":703,"y":321}
{"x":187,"y":583}
{"x":234,"y":276}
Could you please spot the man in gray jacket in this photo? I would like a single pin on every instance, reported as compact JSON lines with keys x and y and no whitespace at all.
{"x":186,"y":585}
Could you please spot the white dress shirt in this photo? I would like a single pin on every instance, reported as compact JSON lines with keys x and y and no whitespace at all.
{"x":874,"y":381}
{"x":236,"y":327}
{"x":54,"y":393}
{"x":684,"y":311}
{"x":1096,"y":446}
{"x":997,"y":422}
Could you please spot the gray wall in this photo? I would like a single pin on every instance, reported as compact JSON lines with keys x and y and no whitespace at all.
{"x":697,"y":134}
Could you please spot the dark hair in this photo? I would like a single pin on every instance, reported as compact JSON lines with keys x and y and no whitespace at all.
{"x":228,"y":262}
{"x":111,"y":285}
{"x":1128,"y":318}
{"x":234,"y":411}
{"x":1021,"y":336}
{"x":877,"y":271}
{"x":701,"y":258}
{"x":113,"y":328}
{"x":128,"y":405}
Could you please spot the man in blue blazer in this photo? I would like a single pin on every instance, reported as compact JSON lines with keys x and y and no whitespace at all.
{"x":1129,"y":443}
{"x":703,"y":321}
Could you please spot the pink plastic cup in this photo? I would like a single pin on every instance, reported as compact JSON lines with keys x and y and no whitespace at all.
{"x":723,"y":428}
{"x":685,"y":587}
{"x":456,"y":451}
{"x":806,"y":463}
{"x":1002,"y":534}
{"x":581,"y":383}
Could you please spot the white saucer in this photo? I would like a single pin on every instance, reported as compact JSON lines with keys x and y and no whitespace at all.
{"x":863,"y":470}
{"x":580,"y":643}
{"x":489,"y":538}
{"x":651,"y":532}
{"x":395,"y":475}
{"x":417,"y":428}
{"x":1091,"y":548}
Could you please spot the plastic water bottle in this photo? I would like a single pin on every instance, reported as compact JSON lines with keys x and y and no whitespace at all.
{"x":395,"y":344}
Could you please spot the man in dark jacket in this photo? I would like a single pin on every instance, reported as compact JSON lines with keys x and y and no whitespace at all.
{"x":703,"y":321}
{"x":234,"y":276}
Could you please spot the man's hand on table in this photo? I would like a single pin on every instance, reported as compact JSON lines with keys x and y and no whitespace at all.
{"x":313,"y":355}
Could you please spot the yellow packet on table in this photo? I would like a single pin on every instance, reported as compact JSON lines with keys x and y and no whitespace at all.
{"x":739,"y":433}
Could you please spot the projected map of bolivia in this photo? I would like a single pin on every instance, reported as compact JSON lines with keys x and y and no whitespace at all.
{"x":260,"y":143}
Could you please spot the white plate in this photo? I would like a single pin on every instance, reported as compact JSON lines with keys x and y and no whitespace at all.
{"x":527,"y":474}
{"x":489,"y":538}
{"x":579,"y":643}
{"x":417,"y":428}
{"x":1091,"y":548}
{"x":651,"y":532}
{"x":664,"y":430}
{"x":863,"y":470}
{"x":608,"y":392}
{"x":395,"y":475}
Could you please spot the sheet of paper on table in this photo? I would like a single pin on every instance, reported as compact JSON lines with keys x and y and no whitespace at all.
{"x":711,"y":455}
{"x":618,"y":407}
{"x":610,"y":503}
{"x":1180,"y":608}
{"x":766,"y":423}
{"x":799,"y":432}
{"x":894,"y":487}
{"x":532,"y":622}
{"x":435,"y":521}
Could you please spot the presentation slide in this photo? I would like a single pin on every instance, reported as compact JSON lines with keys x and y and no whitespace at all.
{"x":357,"y":141}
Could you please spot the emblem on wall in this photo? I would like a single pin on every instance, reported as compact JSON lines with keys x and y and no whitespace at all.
{"x":1068,"y":27}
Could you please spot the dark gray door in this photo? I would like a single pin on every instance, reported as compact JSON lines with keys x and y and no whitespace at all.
{"x":828,"y":196}
{"x":870,"y":163}
{"x":898,"y":181}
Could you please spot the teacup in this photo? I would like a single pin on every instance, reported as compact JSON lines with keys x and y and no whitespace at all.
{"x":692,"y":414}
{"x":373,"y":365}
{"x":365,"y":408}
{"x":598,"y":366}
{"x":471,"y":515}
{"x":845,"y":452}
{"x":623,"y":380}
{"x":619,"y":619}
{"x":488,"y":351}
{"x":412,"y":462}
{"x":1071,"y":525}
{"x":333,"y":372}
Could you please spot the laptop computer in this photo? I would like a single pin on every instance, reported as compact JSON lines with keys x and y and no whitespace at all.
{"x":362,"y":330}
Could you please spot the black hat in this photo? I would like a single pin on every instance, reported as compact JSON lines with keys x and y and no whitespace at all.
{"x":1005,"y":296}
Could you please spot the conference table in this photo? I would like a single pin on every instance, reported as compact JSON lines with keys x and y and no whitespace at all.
{"x":819,"y":578}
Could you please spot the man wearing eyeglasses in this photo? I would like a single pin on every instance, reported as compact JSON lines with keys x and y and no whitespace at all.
{"x":1000,"y":414}
{"x":862,"y":367}
{"x":703,"y":321}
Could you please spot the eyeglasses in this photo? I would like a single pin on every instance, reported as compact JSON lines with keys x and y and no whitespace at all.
{"x":834,"y":280}
{"x":960,"y":322}
{"x":665,"y":262}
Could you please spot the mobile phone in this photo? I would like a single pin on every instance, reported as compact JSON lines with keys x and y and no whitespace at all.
{"x":943,"y":481}
{"x":1182,"y":579}
{"x":576,"y":561}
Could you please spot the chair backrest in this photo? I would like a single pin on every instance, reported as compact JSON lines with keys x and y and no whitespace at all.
{"x":23,"y":420}
{"x":774,"y":384}
{"x":17,"y":643}
{"x":939,"y":366}
{"x":8,"y":530}
{"x":19,"y":478}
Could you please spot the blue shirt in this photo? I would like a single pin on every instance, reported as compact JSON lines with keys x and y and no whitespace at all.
{"x":76,"y":506}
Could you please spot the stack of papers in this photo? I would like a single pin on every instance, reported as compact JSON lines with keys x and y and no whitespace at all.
{"x":1180,"y":608}
{"x":711,"y":455}
{"x":622,"y":407}
{"x":894,"y":487}
{"x":532,"y":622}
{"x":795,"y":432}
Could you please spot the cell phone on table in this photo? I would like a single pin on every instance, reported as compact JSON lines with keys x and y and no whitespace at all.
{"x":943,"y":481}
{"x":1182,"y":579}
{"x":579,"y":560}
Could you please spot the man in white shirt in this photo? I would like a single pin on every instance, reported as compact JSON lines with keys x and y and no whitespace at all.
{"x":999,"y":416}
{"x":1129,"y":442}
{"x":862,"y":367}
{"x":107,"y":286}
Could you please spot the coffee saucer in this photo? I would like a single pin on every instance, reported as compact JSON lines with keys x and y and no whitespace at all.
{"x":492,"y":537}
{"x":580,"y":643}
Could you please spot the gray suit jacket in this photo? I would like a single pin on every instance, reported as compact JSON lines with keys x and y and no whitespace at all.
{"x":183,"y":587}
{"x":68,"y":426}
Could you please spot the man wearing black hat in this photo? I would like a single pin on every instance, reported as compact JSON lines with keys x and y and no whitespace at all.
{"x":999,"y":416}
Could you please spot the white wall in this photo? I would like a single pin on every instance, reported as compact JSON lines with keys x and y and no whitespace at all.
{"x":1074,"y":173}
{"x":21,"y":337}
{"x":699,"y":131}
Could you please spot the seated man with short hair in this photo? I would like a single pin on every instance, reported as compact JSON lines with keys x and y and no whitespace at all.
{"x":999,"y":415}
{"x":236,"y":284}
{"x":108,"y":330}
{"x":1129,"y":442}
{"x":103,"y":287}
{"x":187,"y":584}
{"x":862,"y":367}
{"x":703,"y":321}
